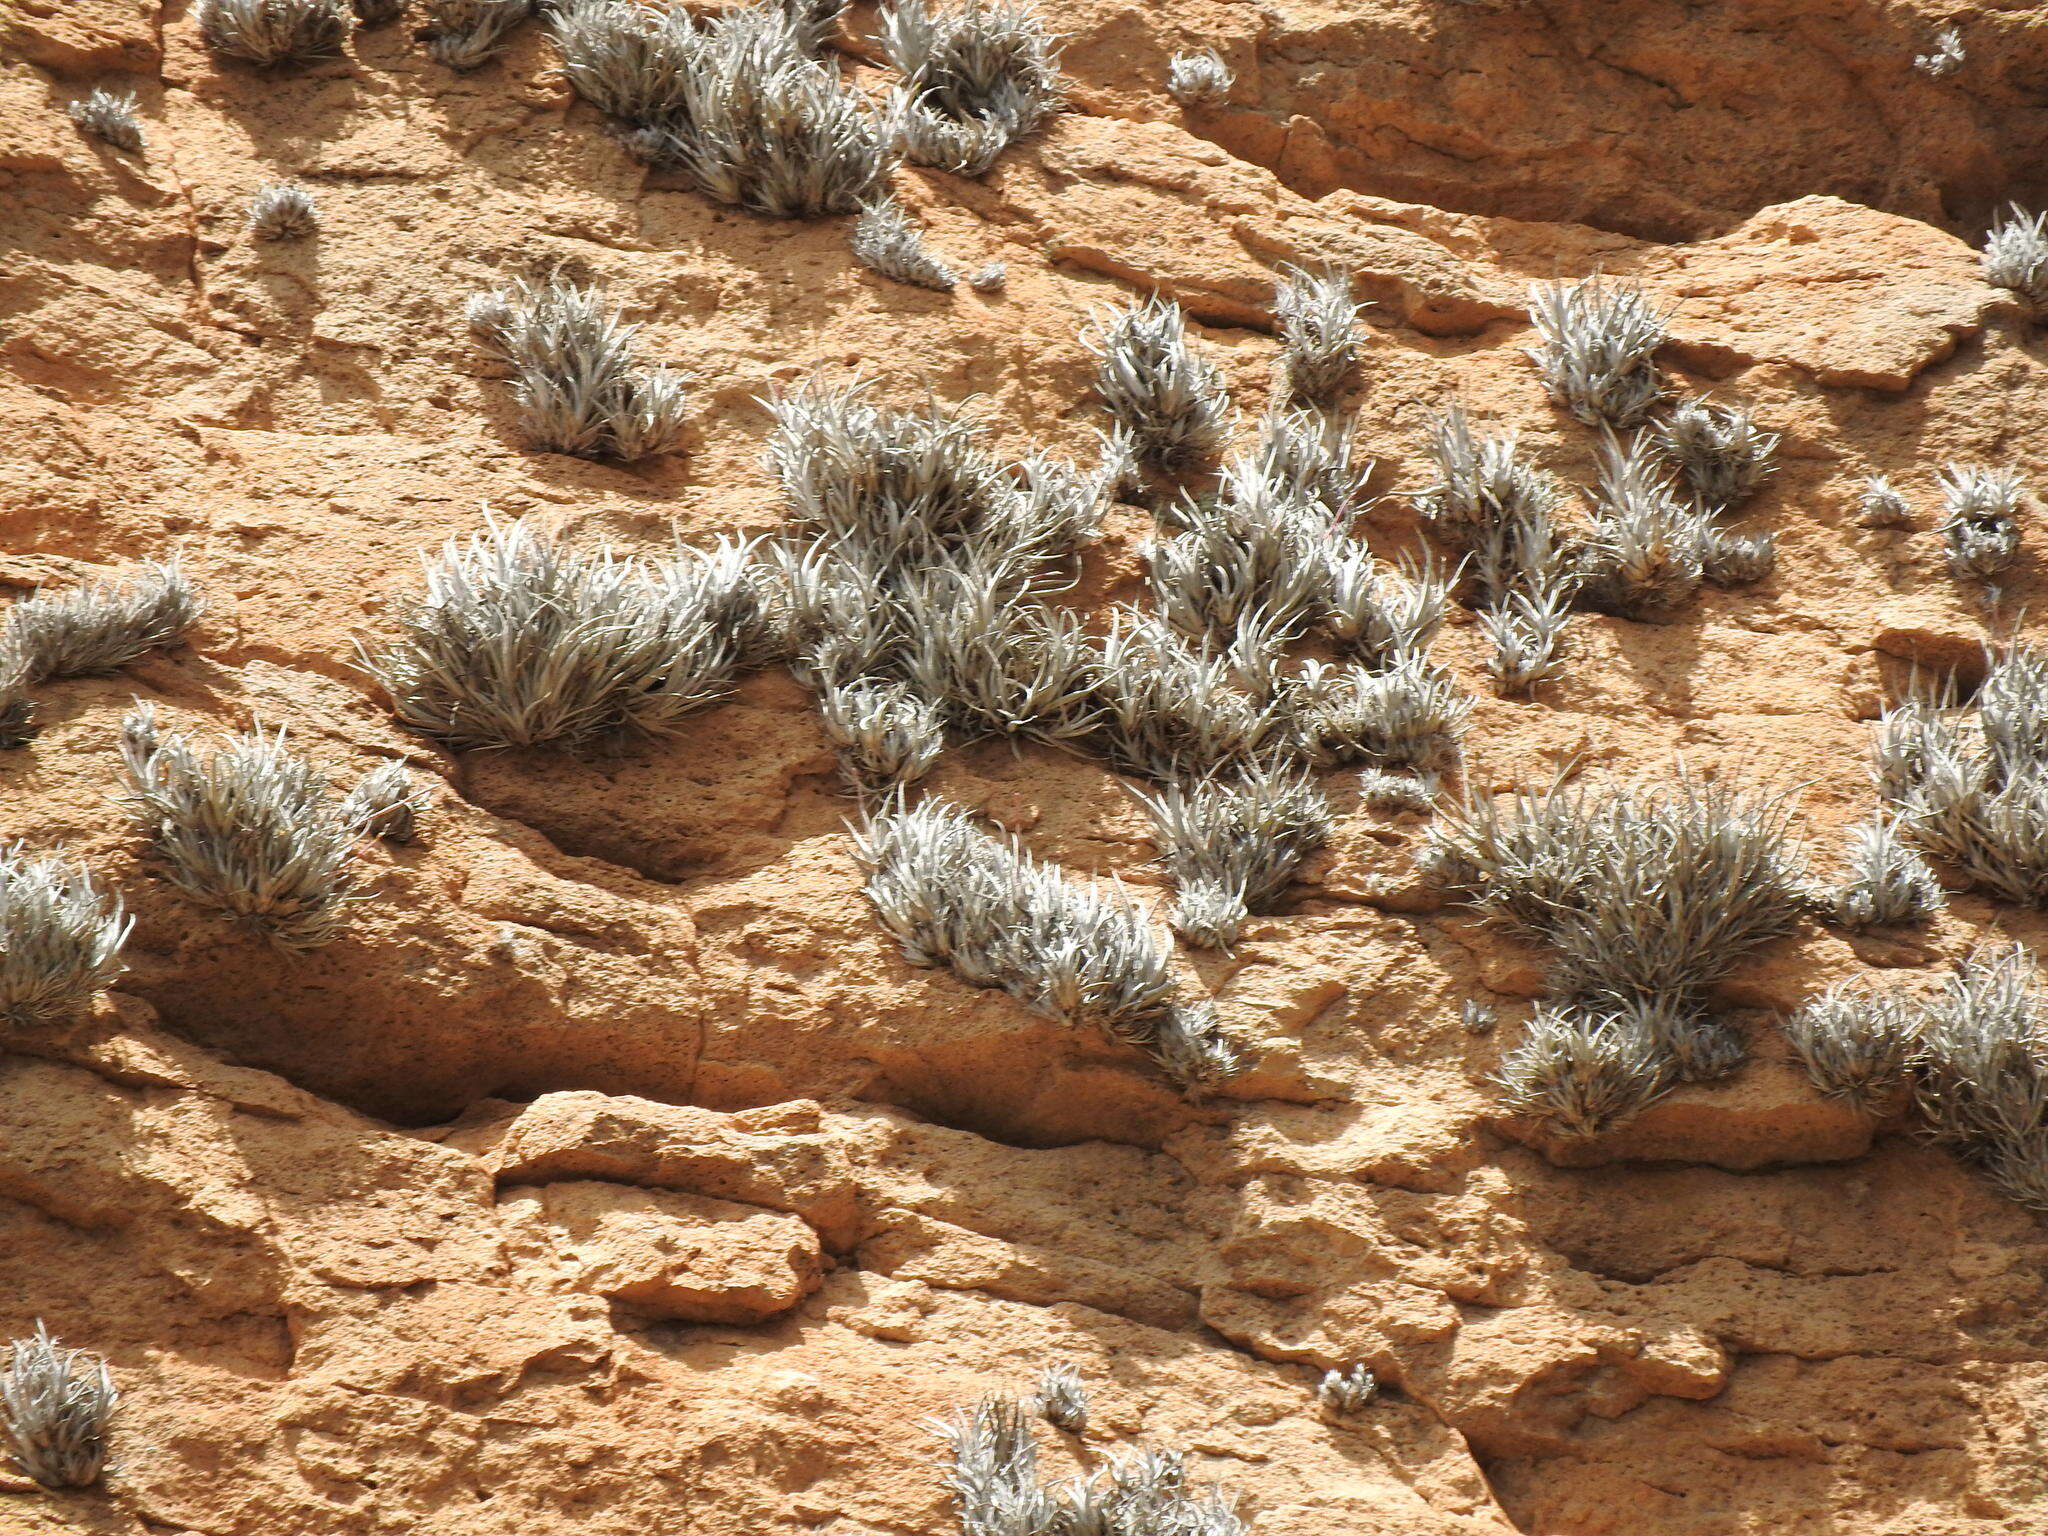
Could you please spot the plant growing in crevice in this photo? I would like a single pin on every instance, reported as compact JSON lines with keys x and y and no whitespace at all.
{"x":271,"y":32}
{"x":1980,"y":530}
{"x":957,"y":896}
{"x":57,"y":1410}
{"x":249,"y":828}
{"x":282,"y":211}
{"x":886,"y":240}
{"x":1062,"y":1399}
{"x":976,"y":78}
{"x":1170,"y":398}
{"x":1318,"y":319}
{"x":580,"y":389}
{"x":1944,"y":57}
{"x":385,"y":804}
{"x":1231,"y":845}
{"x":1856,"y":1043}
{"x":1721,"y":455}
{"x":1648,"y":551}
{"x":521,"y":641}
{"x":2015,"y":256}
{"x":1598,"y":350}
{"x":1199,"y":78}
{"x":1881,"y":505}
{"x":110,"y":117}
{"x":1887,"y":884}
{"x":1982,"y":1080}
{"x":60,"y":938}
{"x":1647,"y":897}
{"x":1342,"y":1393}
{"x":99,"y":626}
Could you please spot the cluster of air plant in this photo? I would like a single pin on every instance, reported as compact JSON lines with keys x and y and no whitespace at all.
{"x":1171,"y":712}
{"x":1971,"y":784}
{"x":1062,"y":1399}
{"x":1232,"y":844}
{"x":523,"y":641}
{"x":912,"y":578}
{"x":57,"y":1410}
{"x":1648,"y":898}
{"x":1599,"y":349}
{"x":887,"y":240}
{"x":1944,"y":57}
{"x":976,"y":79}
{"x":2016,"y":256}
{"x":385,"y":804}
{"x":1502,"y":514}
{"x":1170,"y":398}
{"x":1647,"y":553}
{"x":283,"y":211}
{"x":60,"y":938}
{"x":992,"y":1475}
{"x":1340,"y":1394}
{"x":1980,"y":530}
{"x":465,"y":34}
{"x":739,"y":102}
{"x":1199,"y":78}
{"x":270,"y":32}
{"x":96,"y":627}
{"x":1856,"y":1043}
{"x":1881,"y":505}
{"x":1318,"y":319}
{"x":249,"y":828}
{"x":958,"y":896}
{"x":1887,"y":884}
{"x":109,"y":116}
{"x":579,"y":386}
{"x":1982,"y":1070}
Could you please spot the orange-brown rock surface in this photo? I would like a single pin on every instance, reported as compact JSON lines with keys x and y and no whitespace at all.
{"x":615,"y":1174}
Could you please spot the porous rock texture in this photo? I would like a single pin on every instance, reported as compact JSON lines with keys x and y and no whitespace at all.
{"x":615,"y":1174}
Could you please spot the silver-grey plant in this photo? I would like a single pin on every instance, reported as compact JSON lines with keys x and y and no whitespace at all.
{"x":579,"y":385}
{"x":1887,"y":884}
{"x":57,"y":1410}
{"x":1598,"y":353}
{"x":1342,"y":1393}
{"x":1882,"y":505}
{"x":385,"y":804}
{"x":103,"y":623}
{"x":1199,"y":78}
{"x":1318,"y":318}
{"x":1722,"y":456}
{"x":271,"y":32}
{"x":1944,"y":57}
{"x":248,"y":828}
{"x":887,"y":240}
{"x":60,"y":938}
{"x":467,"y":34}
{"x":1980,"y":530}
{"x":282,"y":210}
{"x":1062,"y":1399}
{"x":976,"y":78}
{"x":2016,"y":256}
{"x":1648,"y":550}
{"x":1857,"y":1043}
{"x":109,"y":116}
{"x":1170,"y":397}
{"x":1232,"y":844}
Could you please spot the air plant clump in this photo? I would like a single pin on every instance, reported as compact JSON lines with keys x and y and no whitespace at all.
{"x":1648,"y":897}
{"x":1888,"y":882}
{"x":1403,"y":716}
{"x":1648,"y":550}
{"x":976,"y":79}
{"x":1880,"y":505}
{"x":1477,"y":1018}
{"x":1318,"y":333}
{"x":465,"y":34}
{"x":737,"y":103}
{"x":283,"y":211}
{"x":57,"y":1410}
{"x":1199,"y":78}
{"x":887,"y":240}
{"x":1063,"y":1399}
{"x":1980,"y":532}
{"x":1168,"y":712}
{"x":103,"y":623}
{"x":992,"y":1475}
{"x":1856,"y":1043}
{"x":271,"y":32}
{"x":521,"y":641}
{"x":250,"y":829}
{"x":1722,"y":456}
{"x":1944,"y":57}
{"x":2016,"y":256}
{"x":109,"y":116}
{"x":1983,"y":1070}
{"x":1502,"y":513}
{"x":1599,"y":349}
{"x":1971,"y":785}
{"x":1170,"y":397}
{"x":887,"y":734}
{"x":1343,"y":1393}
{"x":1233,"y":844}
{"x":60,"y":938}
{"x":385,"y":804}
{"x":957,"y":896}
{"x":1381,"y":790}
{"x":579,"y":387}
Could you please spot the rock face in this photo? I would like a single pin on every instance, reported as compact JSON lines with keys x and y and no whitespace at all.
{"x":615,"y":1172}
